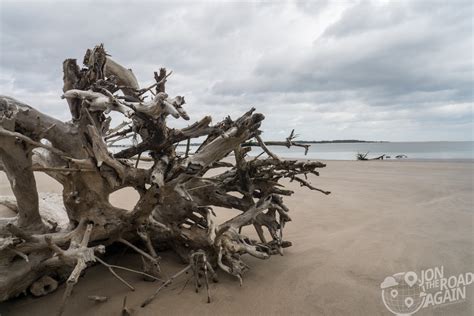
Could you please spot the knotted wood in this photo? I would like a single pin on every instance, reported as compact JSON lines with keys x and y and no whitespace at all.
{"x":176,"y":195}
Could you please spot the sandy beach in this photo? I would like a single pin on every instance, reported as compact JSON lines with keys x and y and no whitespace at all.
{"x":382,"y":217}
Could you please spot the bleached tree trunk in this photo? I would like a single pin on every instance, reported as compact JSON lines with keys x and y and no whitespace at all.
{"x":176,"y":197}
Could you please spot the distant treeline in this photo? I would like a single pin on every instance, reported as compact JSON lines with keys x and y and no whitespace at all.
{"x":339,"y":141}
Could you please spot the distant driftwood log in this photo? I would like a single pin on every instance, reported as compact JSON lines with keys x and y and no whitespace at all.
{"x":174,"y":210}
{"x":361,"y":156}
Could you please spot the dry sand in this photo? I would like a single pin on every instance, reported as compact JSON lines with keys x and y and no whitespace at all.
{"x":382,"y":218}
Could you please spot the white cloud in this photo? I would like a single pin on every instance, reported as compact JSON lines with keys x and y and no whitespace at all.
{"x":362,"y":69}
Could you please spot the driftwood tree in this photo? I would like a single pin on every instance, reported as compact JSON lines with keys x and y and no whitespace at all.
{"x":53,"y":239}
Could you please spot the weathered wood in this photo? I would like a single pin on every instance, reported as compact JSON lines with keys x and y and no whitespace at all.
{"x":125,"y":77}
{"x":176,"y":198}
{"x":17,"y":163}
{"x":288,"y":143}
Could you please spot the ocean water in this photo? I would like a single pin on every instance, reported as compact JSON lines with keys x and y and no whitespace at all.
{"x":348,"y":151}
{"x":413,"y":150}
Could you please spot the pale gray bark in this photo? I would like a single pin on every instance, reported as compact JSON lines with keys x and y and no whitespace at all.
{"x":176,"y":198}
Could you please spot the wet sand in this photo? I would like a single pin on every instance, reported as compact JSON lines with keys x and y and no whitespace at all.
{"x":382,"y":217}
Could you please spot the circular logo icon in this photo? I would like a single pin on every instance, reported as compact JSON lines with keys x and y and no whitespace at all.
{"x":401,"y":293}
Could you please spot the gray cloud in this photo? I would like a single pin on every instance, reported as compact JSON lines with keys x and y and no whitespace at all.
{"x":371,"y":70}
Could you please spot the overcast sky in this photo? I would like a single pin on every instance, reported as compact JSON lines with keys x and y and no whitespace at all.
{"x":374,"y":70}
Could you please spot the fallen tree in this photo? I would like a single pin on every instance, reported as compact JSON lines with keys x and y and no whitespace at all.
{"x":360,"y":156}
{"x":54,"y":239}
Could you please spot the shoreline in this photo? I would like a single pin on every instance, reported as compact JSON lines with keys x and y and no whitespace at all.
{"x":427,"y":160}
